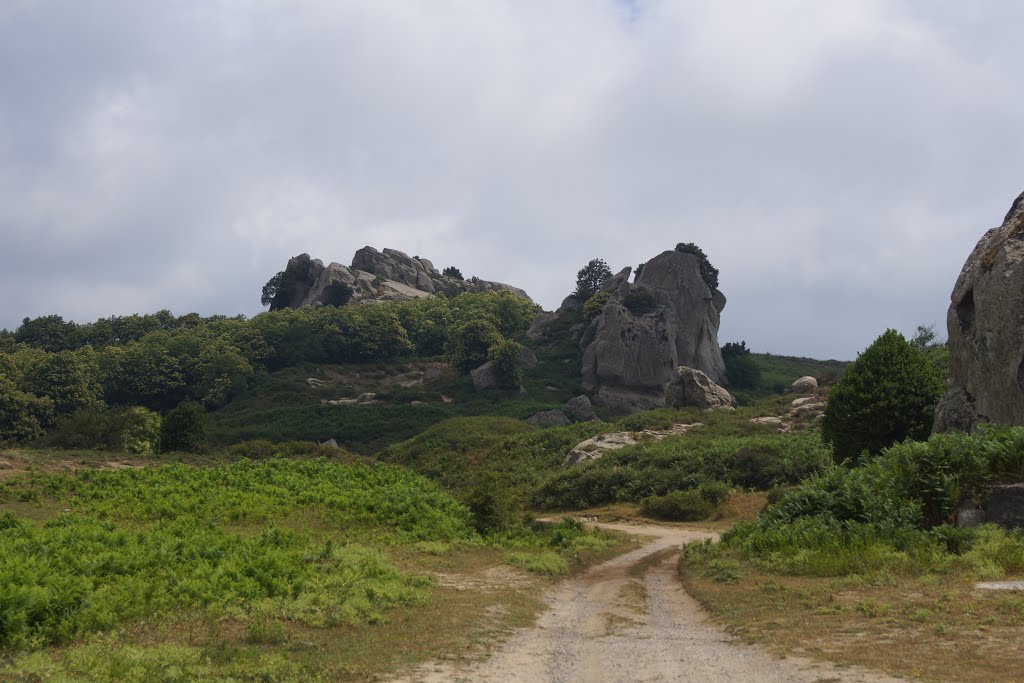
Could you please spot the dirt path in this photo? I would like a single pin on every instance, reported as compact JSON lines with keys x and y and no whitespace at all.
{"x":630,"y":620}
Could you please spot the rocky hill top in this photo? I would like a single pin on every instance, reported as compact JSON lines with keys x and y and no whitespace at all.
{"x":388,"y":275}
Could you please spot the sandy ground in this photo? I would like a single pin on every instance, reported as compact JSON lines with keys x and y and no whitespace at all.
{"x":629,"y":619}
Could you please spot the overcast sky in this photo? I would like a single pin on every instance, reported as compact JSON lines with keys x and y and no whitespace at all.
{"x":836,"y":160}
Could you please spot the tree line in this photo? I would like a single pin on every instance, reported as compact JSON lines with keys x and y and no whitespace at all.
{"x":52,"y":369}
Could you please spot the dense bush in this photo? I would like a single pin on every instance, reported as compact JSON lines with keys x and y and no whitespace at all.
{"x":505,"y":356}
{"x":892,"y":511}
{"x":130,"y":430}
{"x":740,"y":367}
{"x":635,"y":473}
{"x":888,"y":394}
{"x":595,"y":305}
{"x":453,"y":272}
{"x":692,"y":505}
{"x":185,"y":429}
{"x":639,"y":301}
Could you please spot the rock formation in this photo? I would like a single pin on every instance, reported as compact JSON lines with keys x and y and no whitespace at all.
{"x":667,"y":318}
{"x":389,"y":275}
{"x":804,"y":385}
{"x":986,"y":332}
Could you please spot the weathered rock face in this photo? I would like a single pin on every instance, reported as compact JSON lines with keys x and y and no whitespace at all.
{"x":550,"y":418}
{"x":580,"y":409}
{"x":667,"y":318}
{"x":986,"y":332}
{"x":692,"y":388}
{"x":389,"y":275}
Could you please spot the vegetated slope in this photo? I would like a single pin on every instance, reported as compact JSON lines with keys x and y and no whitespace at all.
{"x":273,"y":570}
{"x":321,"y":402}
{"x":776,"y":373}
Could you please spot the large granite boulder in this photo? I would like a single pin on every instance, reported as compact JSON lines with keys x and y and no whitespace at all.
{"x":985,"y":323}
{"x":691,"y":388}
{"x":669,"y":317}
{"x":804,"y":385}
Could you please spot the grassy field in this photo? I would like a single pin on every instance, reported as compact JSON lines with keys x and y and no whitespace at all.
{"x":275,"y":570}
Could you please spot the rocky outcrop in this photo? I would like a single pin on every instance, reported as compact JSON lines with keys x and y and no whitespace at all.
{"x":388,"y":275}
{"x":985,"y":323}
{"x":669,"y":317}
{"x":594,"y":448}
{"x":691,"y":388}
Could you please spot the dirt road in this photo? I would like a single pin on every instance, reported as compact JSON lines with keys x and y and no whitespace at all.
{"x":630,"y":620}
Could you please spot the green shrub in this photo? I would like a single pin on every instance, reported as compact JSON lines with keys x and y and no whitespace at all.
{"x":639,"y":302}
{"x":888,"y":394}
{"x":470,"y":343}
{"x":495,"y":505}
{"x":184,"y":429}
{"x":130,"y":430}
{"x":678,"y":506}
{"x":595,"y":304}
{"x":505,"y":356}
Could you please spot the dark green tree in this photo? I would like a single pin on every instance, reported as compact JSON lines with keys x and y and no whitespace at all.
{"x":453,"y":272}
{"x":470,"y":344}
{"x":707,"y":271}
{"x":740,"y":368}
{"x":590,"y":278}
{"x":22,"y":415}
{"x":48,"y":332}
{"x":887,"y":395}
{"x":184,"y":429}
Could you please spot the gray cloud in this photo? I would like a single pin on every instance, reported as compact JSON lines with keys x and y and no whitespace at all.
{"x":836,"y":160}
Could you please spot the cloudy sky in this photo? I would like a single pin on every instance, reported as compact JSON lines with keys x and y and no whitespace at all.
{"x":836,"y":160}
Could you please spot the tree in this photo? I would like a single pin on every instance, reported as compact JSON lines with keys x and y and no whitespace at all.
{"x":184,"y":429}
{"x":707,"y":271}
{"x":887,"y":395}
{"x":740,"y":368}
{"x":470,"y":344}
{"x":69,"y":378}
{"x":22,"y":415}
{"x":453,"y":272}
{"x":595,"y":305}
{"x":271,"y":289}
{"x":936,"y":351}
{"x":48,"y":332}
{"x":590,"y":278}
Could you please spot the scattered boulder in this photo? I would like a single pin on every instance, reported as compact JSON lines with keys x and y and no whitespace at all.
{"x":595,"y":447}
{"x":804,"y":400}
{"x":692,"y":388}
{"x":580,"y":409}
{"x":485,"y":377}
{"x":985,"y":323}
{"x":768,"y":420}
{"x":368,"y":398}
{"x":540,"y":323}
{"x":330,"y":443}
{"x":527,"y":360}
{"x":667,"y":318}
{"x":550,"y":418}
{"x":804,"y":385}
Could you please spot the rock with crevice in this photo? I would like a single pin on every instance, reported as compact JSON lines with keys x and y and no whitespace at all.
{"x":668,"y":317}
{"x":985,"y":324}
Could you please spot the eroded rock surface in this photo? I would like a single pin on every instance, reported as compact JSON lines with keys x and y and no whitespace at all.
{"x":667,"y":318}
{"x":985,"y":323}
{"x":692,"y":388}
{"x":595,"y":447}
